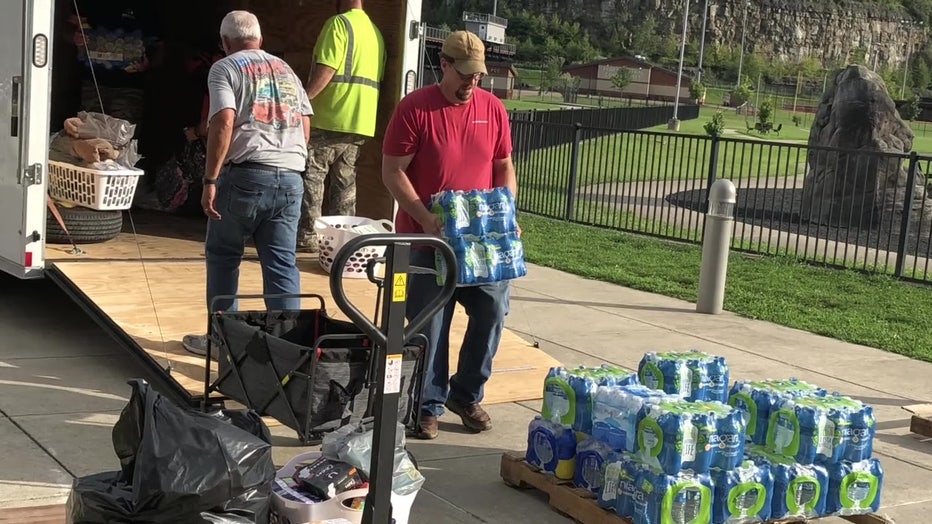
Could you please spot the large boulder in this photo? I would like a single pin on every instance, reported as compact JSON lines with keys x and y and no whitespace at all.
{"x":862,"y":179}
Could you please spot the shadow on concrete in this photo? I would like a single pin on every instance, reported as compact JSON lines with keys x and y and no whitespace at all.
{"x":634,"y":307}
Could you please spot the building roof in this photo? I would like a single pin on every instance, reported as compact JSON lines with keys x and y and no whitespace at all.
{"x":643,"y":63}
{"x":499,"y":63}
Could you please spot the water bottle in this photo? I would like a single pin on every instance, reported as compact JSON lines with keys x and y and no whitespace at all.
{"x":477,"y":262}
{"x":502,"y":218}
{"x":493,"y":256}
{"x":478,"y":213}
{"x":453,"y":210}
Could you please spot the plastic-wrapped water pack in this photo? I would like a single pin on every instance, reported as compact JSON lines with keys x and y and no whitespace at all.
{"x":758,"y":399}
{"x":569,"y":394}
{"x":854,"y":488}
{"x":821,"y":429}
{"x":685,"y":498}
{"x":742,"y":495}
{"x":726,"y":443}
{"x":674,"y":436}
{"x":799,"y":490}
{"x":693,"y":375}
{"x":615,"y":414}
{"x":589,"y":468}
{"x":551,"y":446}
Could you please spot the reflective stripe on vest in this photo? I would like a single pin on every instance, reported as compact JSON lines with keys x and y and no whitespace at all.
{"x":347,"y":77}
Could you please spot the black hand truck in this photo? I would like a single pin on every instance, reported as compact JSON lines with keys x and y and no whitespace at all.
{"x":389,"y":340}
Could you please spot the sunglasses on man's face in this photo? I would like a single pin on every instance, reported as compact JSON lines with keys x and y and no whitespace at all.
{"x":475,"y":77}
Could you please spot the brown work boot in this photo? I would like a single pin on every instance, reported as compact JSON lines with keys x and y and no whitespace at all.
{"x":308,"y":245}
{"x":473,"y":416}
{"x":429,"y":428}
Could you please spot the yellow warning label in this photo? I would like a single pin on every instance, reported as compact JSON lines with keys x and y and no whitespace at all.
{"x":400,"y":288}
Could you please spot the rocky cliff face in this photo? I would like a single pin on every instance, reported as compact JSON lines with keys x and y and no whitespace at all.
{"x":828,"y":30}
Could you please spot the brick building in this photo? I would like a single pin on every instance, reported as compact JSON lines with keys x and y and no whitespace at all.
{"x":648,"y":81}
{"x":501,"y":79}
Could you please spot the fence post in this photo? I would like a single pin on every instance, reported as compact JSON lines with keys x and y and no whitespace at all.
{"x":574,"y":173}
{"x":907,"y":207}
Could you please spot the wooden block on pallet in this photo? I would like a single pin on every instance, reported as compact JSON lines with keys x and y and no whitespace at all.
{"x":34,"y":515}
{"x":565,"y":499}
{"x":921,"y":423}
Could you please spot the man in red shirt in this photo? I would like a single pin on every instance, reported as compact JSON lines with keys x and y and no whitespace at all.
{"x":451,"y":136}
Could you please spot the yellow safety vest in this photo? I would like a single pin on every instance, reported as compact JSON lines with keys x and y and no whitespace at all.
{"x":350,"y":101}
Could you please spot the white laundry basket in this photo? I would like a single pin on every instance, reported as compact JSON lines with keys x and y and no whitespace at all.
{"x":333,"y":232}
{"x":289,"y":509}
{"x":100,"y":189}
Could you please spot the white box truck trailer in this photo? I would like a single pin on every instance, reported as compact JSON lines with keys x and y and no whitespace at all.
{"x":124,"y":285}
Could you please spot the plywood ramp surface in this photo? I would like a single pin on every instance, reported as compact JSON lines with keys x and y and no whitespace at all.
{"x":176,"y":307}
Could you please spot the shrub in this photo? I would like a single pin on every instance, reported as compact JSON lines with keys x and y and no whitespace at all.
{"x":716,"y":126}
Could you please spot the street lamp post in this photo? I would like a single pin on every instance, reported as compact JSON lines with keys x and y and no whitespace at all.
{"x":674,"y":123}
{"x":744,"y":28}
{"x":705,"y":12}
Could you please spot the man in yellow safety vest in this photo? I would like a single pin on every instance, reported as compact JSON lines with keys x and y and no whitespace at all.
{"x":349,"y":62}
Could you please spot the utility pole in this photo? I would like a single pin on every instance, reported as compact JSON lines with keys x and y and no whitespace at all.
{"x":799,"y":80}
{"x":674,"y":124}
{"x":705,"y":12}
{"x":744,"y":29}
{"x":909,"y":47}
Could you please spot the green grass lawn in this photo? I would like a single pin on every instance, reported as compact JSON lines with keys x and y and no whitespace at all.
{"x":876,"y":311}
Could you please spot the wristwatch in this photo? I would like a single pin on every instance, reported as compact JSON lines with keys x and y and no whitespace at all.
{"x":209,"y":181}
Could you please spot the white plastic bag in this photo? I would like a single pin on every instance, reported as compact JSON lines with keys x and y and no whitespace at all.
{"x":352,"y":444}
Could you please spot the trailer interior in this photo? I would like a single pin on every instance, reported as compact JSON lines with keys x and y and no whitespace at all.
{"x":146,"y":286}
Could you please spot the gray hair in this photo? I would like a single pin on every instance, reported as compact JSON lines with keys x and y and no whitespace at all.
{"x":240,"y":25}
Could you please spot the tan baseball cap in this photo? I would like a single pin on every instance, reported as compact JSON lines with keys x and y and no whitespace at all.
{"x":467,"y":52}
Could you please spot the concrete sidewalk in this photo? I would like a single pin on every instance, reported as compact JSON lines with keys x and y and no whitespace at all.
{"x":63,"y":384}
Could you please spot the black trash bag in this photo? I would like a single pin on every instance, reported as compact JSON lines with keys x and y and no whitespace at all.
{"x":179,"y":466}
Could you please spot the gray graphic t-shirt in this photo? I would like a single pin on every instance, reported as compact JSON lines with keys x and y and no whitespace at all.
{"x":269,"y":101}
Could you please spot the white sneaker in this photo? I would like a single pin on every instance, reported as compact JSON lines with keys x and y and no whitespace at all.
{"x":197,"y":344}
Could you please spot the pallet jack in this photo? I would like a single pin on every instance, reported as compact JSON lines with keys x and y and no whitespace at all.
{"x":388,"y":341}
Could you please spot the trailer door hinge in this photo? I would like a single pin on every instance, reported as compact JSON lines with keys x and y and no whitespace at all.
{"x":32,"y":175}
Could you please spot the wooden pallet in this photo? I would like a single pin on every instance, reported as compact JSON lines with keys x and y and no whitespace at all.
{"x":580,"y":505}
{"x":921,"y":423}
{"x":34,"y":515}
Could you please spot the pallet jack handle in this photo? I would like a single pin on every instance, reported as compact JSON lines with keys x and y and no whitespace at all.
{"x":389,"y":341}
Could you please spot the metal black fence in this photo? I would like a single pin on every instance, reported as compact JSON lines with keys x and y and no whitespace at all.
{"x":858,"y":209}
{"x":600,"y":122}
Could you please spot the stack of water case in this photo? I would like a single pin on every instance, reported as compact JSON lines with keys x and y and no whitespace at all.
{"x":482,"y":229}
{"x":673,"y":444}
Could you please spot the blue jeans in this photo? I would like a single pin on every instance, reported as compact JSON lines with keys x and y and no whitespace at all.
{"x":486,"y":306}
{"x":262,"y":203}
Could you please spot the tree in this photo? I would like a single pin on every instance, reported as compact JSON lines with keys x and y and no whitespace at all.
{"x":910,"y":108}
{"x":765,"y":113}
{"x":569,"y":85}
{"x":621,"y":78}
{"x":644,"y":38}
{"x":697,"y":91}
{"x":552,"y":70}
{"x":741,"y":94}
{"x":716,"y":126}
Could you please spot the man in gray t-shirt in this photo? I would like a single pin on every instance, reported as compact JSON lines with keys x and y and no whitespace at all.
{"x":270,"y":105}
{"x":259,"y":124}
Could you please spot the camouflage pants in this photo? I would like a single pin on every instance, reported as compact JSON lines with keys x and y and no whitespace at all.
{"x":334,"y":155}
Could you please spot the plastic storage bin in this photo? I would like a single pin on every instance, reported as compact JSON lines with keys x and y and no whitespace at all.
{"x":101,"y":189}
{"x":333,"y":232}
{"x":287,"y":510}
